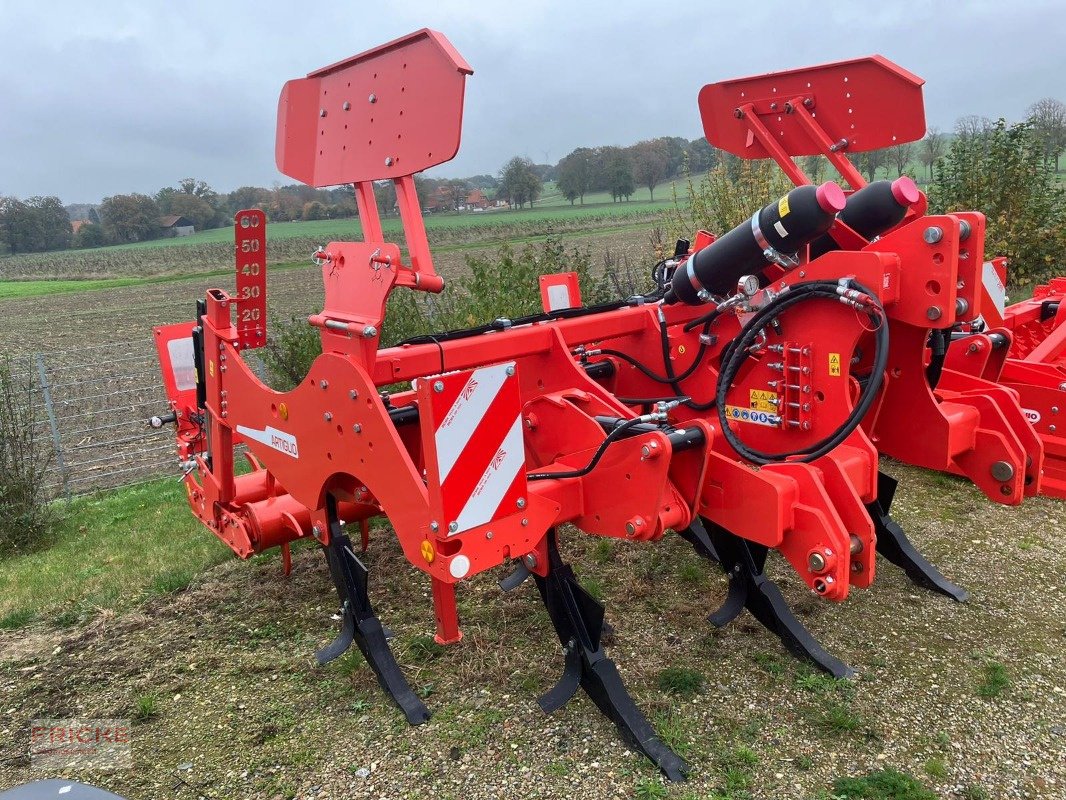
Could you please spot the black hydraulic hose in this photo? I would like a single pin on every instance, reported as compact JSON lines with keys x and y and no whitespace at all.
{"x":820,"y":290}
{"x":503,"y":324}
{"x":675,"y":380}
{"x":938,"y":344}
{"x":612,"y":437}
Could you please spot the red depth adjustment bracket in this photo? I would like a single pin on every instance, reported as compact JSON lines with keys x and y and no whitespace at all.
{"x":384,"y":114}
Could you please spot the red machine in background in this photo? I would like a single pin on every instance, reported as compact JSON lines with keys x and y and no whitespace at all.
{"x":1022,"y":347}
{"x":740,"y":402}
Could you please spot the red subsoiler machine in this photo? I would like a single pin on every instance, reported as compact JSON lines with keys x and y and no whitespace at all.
{"x":741,"y":402}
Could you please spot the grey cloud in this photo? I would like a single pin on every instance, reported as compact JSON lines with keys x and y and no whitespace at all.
{"x":124,"y":96}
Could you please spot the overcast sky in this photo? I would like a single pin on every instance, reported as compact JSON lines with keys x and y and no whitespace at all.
{"x":107,"y":97}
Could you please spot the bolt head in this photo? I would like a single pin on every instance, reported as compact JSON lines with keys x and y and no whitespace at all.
{"x":357,"y":428}
{"x":816,"y":562}
{"x":373,"y":98}
{"x":453,"y":527}
{"x":933,"y":234}
{"x":510,"y":371}
{"x":1002,"y":471}
{"x":488,"y":534}
{"x":370,"y":332}
{"x":933,"y":313}
{"x":316,"y":532}
{"x":434,"y":526}
{"x":530,"y":560}
{"x":438,"y":386}
{"x":521,"y":502}
{"x":327,"y":416}
{"x":324,"y":384}
{"x":388,"y":161}
{"x":353,"y":394}
{"x":346,"y":106}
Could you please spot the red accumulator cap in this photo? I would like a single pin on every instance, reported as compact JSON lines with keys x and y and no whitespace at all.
{"x":830,"y":198}
{"x":905,"y":190}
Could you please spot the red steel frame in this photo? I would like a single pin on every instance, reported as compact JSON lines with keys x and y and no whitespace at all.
{"x":338,"y":446}
{"x":968,"y":425}
{"x":348,"y":447}
{"x":1023,"y":350}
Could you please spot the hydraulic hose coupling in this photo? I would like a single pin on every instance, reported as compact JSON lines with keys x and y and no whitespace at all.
{"x":853,"y":297}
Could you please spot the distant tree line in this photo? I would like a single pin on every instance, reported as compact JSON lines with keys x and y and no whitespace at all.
{"x":36,"y":224}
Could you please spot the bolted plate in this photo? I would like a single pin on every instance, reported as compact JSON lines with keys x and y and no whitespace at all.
{"x":388,"y":112}
{"x":871,"y":102}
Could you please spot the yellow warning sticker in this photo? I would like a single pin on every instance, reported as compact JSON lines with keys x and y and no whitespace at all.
{"x":763,"y":400}
{"x":834,"y":364}
{"x":782,"y":206}
{"x":681,"y":349}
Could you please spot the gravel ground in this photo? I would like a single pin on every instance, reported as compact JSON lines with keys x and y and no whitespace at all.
{"x":242,"y":712}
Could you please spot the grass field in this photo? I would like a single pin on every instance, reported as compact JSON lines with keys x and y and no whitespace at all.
{"x":295,"y":241}
{"x":328,"y":229}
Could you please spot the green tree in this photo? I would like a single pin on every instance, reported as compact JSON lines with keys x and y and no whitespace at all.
{"x":931,"y":149}
{"x":814,"y":166}
{"x":130,"y":218}
{"x":619,"y":171}
{"x":900,"y":156}
{"x":519,"y":182}
{"x":701,"y":157}
{"x":1004,"y":174}
{"x":871,"y":161}
{"x":246,"y":197}
{"x":195,"y":209}
{"x":313,"y":210}
{"x":1048,"y":118}
{"x":384,"y":196}
{"x":34,"y":225}
{"x":90,"y":235}
{"x":651,"y":163}
{"x":575,"y":173}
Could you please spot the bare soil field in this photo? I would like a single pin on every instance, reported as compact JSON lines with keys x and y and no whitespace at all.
{"x":970,"y":699}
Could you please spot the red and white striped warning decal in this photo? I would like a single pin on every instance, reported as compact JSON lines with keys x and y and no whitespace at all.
{"x":475,"y":457}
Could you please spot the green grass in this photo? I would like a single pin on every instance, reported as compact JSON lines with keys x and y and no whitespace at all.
{"x":681,"y":681}
{"x":887,"y":784}
{"x":13,"y":289}
{"x":146,"y":707}
{"x":112,"y":550}
{"x":24,"y":289}
{"x":936,"y":768}
{"x":838,"y":717}
{"x":17,"y":619}
{"x":552,"y":197}
{"x":650,"y":789}
{"x":347,"y":229}
{"x":994,"y":680}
